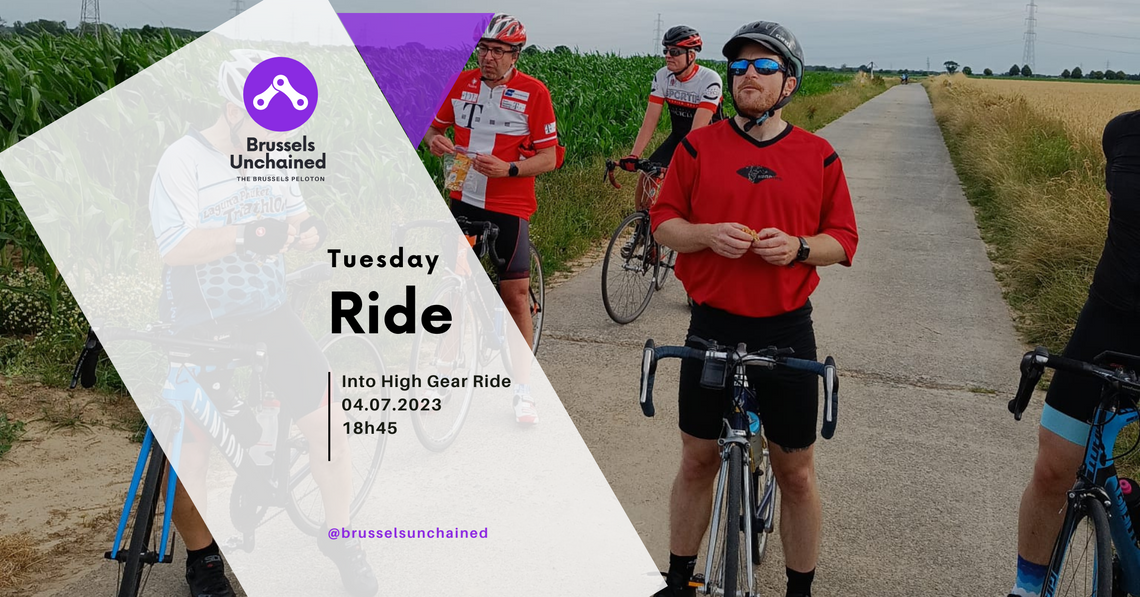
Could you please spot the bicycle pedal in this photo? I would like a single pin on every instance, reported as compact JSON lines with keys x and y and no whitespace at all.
{"x":697,"y":581}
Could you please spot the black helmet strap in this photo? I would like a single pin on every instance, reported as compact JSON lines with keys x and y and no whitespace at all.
{"x":770,"y":112}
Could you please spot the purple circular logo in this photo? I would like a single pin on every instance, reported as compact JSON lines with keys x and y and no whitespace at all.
{"x":280,"y":94}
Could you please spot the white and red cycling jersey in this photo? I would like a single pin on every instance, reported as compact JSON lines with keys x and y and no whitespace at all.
{"x":511,"y":122}
{"x":701,"y":89}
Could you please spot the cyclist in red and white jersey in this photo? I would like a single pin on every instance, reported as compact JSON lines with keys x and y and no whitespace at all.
{"x":505,"y":119}
{"x":692,"y":93}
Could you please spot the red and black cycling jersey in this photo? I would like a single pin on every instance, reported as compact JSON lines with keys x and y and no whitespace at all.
{"x":1117,"y":278}
{"x":702,"y":88}
{"x":793,"y":182}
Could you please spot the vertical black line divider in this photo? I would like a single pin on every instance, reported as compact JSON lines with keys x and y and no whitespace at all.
{"x":330,"y":401}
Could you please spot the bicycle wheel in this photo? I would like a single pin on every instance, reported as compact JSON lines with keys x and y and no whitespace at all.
{"x":764,"y":493}
{"x":628,"y":274}
{"x":732,"y":569}
{"x":142,"y":536}
{"x":537,"y":297}
{"x":352,"y":356}
{"x":453,"y":354}
{"x":1082,"y":556}
{"x":664,"y":264}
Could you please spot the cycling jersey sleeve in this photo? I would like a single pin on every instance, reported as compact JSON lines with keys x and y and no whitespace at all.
{"x":837,"y":217}
{"x":543,"y":128}
{"x":710,"y":97}
{"x":446,"y":115}
{"x":173,"y":202}
{"x":674,"y":199}
{"x":657,"y":90}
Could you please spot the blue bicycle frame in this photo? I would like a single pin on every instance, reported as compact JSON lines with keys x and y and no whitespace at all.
{"x":1098,"y":475}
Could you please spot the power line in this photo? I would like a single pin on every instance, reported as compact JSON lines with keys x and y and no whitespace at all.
{"x":1097,"y":34}
{"x":1057,"y":43}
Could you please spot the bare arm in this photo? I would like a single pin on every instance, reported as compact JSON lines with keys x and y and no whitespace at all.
{"x":438,"y":142}
{"x":492,"y":167}
{"x":648,"y":125}
{"x":779,"y":248}
{"x":727,"y":239}
{"x":702,"y":118}
{"x":203,"y":246}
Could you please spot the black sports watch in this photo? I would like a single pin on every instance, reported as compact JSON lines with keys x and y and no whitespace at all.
{"x":514,"y":171}
{"x":804,"y":251}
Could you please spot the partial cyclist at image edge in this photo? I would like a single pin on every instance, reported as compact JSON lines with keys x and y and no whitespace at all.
{"x":505,"y":118}
{"x":693,"y":95}
{"x":1109,"y":321}
{"x":753,"y":205}
{"x":222,"y":241}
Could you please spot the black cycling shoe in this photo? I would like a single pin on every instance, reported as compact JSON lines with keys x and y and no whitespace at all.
{"x":207,"y":578}
{"x":350,"y":559}
{"x":671,"y":591}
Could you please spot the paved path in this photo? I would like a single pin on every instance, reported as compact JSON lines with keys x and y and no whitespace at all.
{"x":920,"y":485}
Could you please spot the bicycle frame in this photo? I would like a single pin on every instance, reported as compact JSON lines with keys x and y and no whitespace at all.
{"x":1098,"y":478}
{"x":186,"y":395}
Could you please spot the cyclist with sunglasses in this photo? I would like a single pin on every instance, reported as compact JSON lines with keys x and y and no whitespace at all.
{"x":223,"y":242}
{"x":751,"y":173}
{"x":692,"y":93}
{"x":505,"y":119}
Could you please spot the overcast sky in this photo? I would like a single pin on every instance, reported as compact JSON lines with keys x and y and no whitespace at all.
{"x":892,"y":33}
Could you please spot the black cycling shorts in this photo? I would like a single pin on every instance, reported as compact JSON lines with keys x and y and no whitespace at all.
{"x":789,"y":400}
{"x":664,"y":154}
{"x":296,"y":370}
{"x":513,"y":243}
{"x":1100,"y":327}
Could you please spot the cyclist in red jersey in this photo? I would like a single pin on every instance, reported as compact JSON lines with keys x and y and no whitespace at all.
{"x":753,"y":172}
{"x":692,"y":94}
{"x":504,"y":118}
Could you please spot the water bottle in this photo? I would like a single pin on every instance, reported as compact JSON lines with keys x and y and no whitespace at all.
{"x":262,"y":452}
{"x":1131,"y":492}
{"x":499,"y":321}
{"x":754,"y":436}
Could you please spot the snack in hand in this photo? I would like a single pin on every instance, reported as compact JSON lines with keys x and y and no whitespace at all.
{"x":754,"y":234}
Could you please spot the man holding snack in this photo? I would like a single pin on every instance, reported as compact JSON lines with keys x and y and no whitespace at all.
{"x":753,"y":205}
{"x":505,"y":121}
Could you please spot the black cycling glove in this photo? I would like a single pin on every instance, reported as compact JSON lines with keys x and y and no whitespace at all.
{"x":266,"y":236}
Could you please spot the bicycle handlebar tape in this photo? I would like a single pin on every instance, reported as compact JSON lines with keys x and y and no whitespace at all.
{"x":831,"y":398}
{"x":319,"y":224}
{"x":266,"y":236}
{"x":1032,"y":368}
{"x":648,"y":371}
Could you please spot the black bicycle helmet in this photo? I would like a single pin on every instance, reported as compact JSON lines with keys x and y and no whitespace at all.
{"x":778,"y":39}
{"x":682,"y":37}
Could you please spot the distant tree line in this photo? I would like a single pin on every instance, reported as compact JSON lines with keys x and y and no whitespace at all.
{"x":44,"y":26}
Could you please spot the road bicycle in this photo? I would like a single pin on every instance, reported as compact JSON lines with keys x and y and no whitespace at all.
{"x":1097,"y":518}
{"x":635,"y":264}
{"x":478,"y":331}
{"x":744,"y":505}
{"x":219,"y":385}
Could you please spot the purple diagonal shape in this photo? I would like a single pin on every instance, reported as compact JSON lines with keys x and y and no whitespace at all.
{"x":415,"y":58}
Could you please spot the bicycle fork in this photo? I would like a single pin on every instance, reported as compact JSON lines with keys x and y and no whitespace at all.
{"x":746,"y":512}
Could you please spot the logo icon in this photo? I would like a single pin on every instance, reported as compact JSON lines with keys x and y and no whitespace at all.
{"x":280,"y":94}
{"x":755,"y":174}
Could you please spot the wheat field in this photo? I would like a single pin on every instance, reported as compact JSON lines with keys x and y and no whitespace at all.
{"x":1084,"y":107}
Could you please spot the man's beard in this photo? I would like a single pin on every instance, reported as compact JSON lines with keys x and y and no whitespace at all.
{"x":755,"y":102}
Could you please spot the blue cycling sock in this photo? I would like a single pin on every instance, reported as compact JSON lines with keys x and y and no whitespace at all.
{"x":1030,"y":578}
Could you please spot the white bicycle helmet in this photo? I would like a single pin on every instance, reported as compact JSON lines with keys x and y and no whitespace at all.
{"x":232,"y":74}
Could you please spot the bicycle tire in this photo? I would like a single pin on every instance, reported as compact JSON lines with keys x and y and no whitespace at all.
{"x":464,"y":326}
{"x":537,"y":297}
{"x":664,"y":264}
{"x":623,"y":299}
{"x":367,"y":449}
{"x":1092,"y":510}
{"x":733,"y":528}
{"x":142,"y":534}
{"x":763,"y":522}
